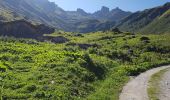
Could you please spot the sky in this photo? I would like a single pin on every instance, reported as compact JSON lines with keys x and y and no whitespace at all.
{"x":94,"y":5}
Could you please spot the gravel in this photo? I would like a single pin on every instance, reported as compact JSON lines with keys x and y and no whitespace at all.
{"x":136,"y":89}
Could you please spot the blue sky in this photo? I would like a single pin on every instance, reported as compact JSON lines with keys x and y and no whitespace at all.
{"x":94,"y":5}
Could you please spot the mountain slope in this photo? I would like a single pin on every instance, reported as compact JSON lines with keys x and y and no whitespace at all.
{"x":136,"y":22}
{"x":24,"y":29}
{"x":94,"y":25}
{"x":159,"y":25}
{"x":40,"y":11}
{"x":43,"y":11}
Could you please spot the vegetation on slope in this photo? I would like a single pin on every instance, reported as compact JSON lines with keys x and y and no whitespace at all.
{"x":148,"y":21}
{"x":160,"y":25}
{"x":30,"y":69}
{"x":89,"y":66}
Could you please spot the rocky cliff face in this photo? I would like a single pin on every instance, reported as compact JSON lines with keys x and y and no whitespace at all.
{"x":24,"y":29}
{"x":110,"y":15}
{"x":82,"y":12}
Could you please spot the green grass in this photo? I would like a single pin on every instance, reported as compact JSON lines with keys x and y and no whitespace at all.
{"x":154,"y":82}
{"x":44,"y":70}
{"x":110,"y":88}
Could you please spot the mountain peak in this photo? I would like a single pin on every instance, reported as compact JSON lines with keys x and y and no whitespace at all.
{"x":81,"y":11}
{"x":117,"y":9}
{"x":105,"y":9}
{"x":167,"y":4}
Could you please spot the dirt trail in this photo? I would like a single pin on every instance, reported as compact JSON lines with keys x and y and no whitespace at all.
{"x":136,"y":89}
{"x":165,"y":86}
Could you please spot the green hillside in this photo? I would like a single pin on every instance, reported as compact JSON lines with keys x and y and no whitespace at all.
{"x":148,"y":21}
{"x":159,"y":25}
{"x":89,"y":66}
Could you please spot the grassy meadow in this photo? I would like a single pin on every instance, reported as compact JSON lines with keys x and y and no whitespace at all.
{"x":90,"y":66}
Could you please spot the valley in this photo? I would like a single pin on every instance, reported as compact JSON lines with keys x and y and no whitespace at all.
{"x":49,"y":53}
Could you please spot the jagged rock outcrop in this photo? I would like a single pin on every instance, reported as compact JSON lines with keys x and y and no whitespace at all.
{"x":82,"y":12}
{"x":112,"y":15}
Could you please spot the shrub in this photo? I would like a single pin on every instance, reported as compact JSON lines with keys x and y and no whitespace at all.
{"x":145,"y":39}
{"x":28,"y":59}
{"x":3,"y":68}
{"x":31,"y":88}
{"x":39,"y":95}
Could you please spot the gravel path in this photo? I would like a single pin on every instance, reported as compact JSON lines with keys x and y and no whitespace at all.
{"x":136,"y":89}
{"x":165,"y":86}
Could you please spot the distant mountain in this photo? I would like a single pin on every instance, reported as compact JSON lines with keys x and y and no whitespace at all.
{"x":155,"y":20}
{"x":113,"y":15}
{"x":45,"y":12}
{"x":82,"y":12}
{"x":94,"y":25}
{"x":39,"y":11}
{"x":102,"y":14}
